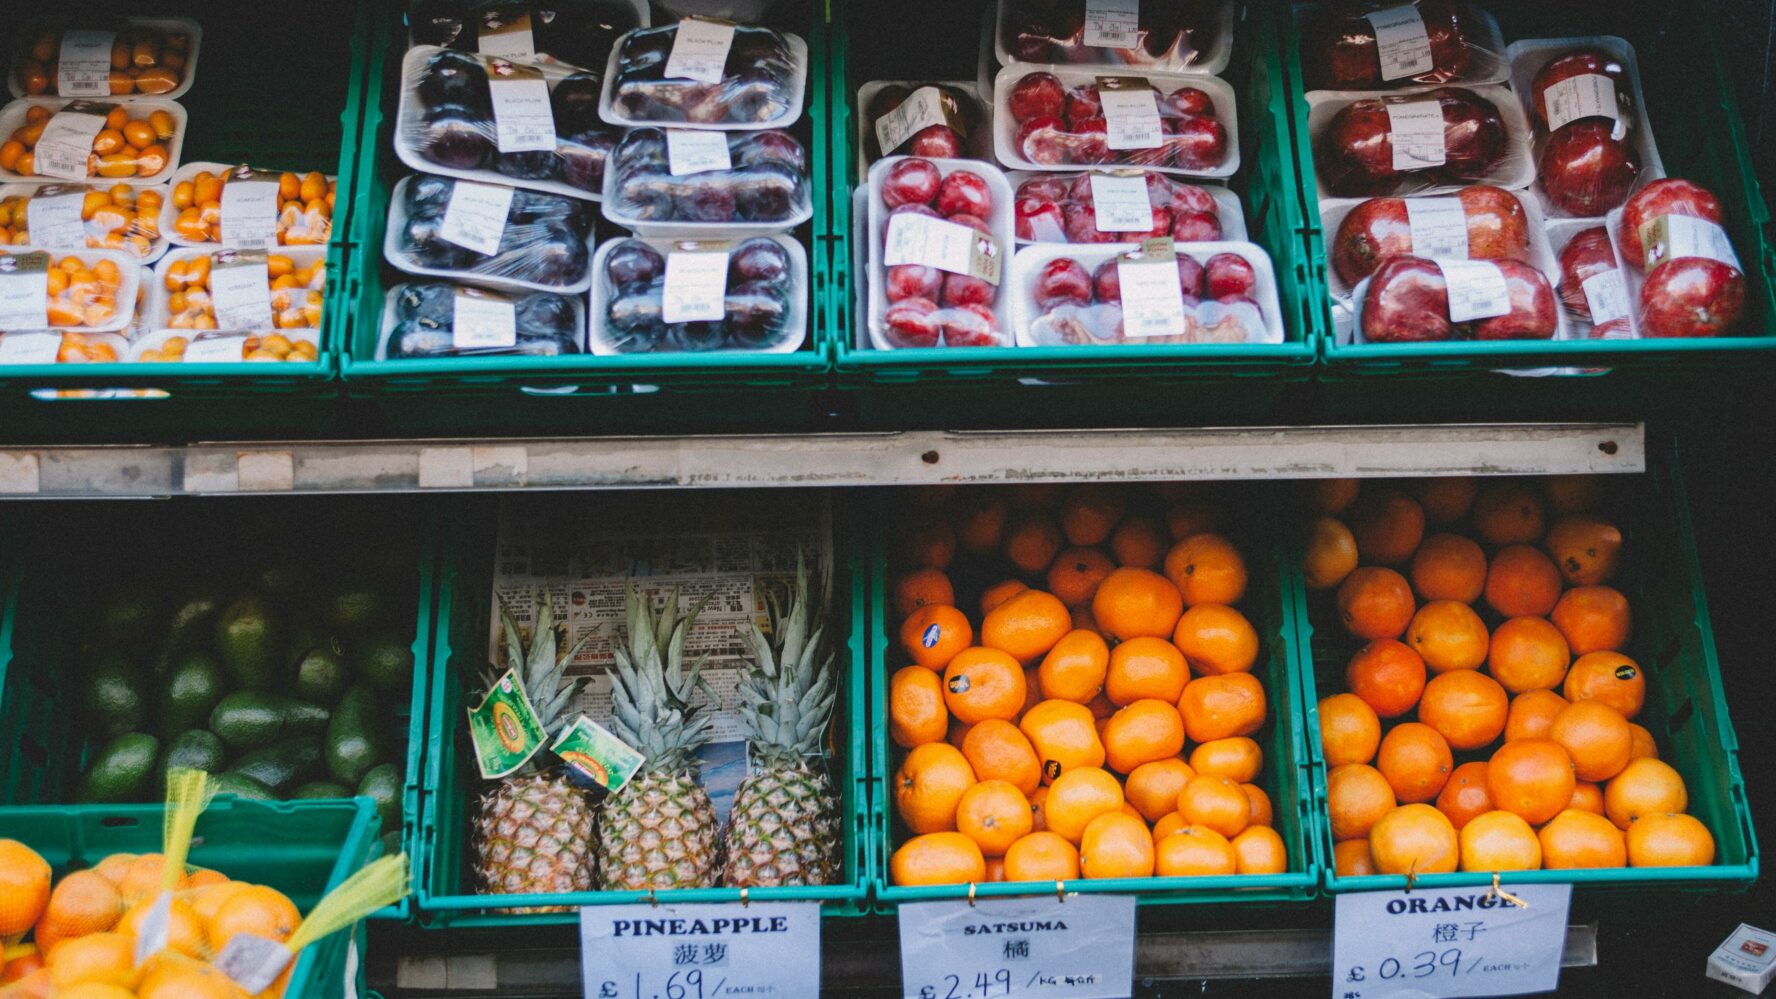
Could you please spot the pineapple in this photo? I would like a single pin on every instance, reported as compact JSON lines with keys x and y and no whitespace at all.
{"x":532,"y":832}
{"x":660,"y":829}
{"x":784,"y":828}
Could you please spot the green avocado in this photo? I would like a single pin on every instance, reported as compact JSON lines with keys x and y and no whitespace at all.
{"x":248,"y":719}
{"x":123,"y":770}
{"x":353,"y":743}
{"x":194,"y":620}
{"x":241,"y":786}
{"x":386,"y":660}
{"x":251,"y":650}
{"x":282,"y":764}
{"x":383,"y":786}
{"x":193,"y":685}
{"x":129,"y":614}
{"x":356,"y":605}
{"x":113,"y":694}
{"x":321,"y":675}
{"x":198,"y":749}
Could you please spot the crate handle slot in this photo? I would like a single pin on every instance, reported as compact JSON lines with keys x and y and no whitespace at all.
{"x":1680,"y":716}
{"x":119,"y":822}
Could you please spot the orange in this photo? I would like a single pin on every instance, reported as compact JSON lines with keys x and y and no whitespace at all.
{"x":1332,"y":495}
{"x":1238,"y":759}
{"x":1215,"y":802}
{"x":141,"y":879}
{"x":1357,"y":795}
{"x":1532,"y":778}
{"x":1449,"y":567}
{"x":1414,"y":839}
{"x":1136,"y":603}
{"x":1207,"y":569}
{"x":1521,"y":582}
{"x":1077,"y":797}
{"x":1076,"y":573}
{"x":206,"y":902}
{"x":916,"y":712}
{"x":1593,"y":619}
{"x":1374,"y":602}
{"x":1000,"y":592}
{"x":1064,"y":735}
{"x":1168,"y":823}
{"x":980,"y":521}
{"x":1509,"y":513}
{"x":1464,"y":795}
{"x":921,"y":588}
{"x":927,"y":542}
{"x":1448,"y":635}
{"x":22,"y":965}
{"x":1350,"y":731}
{"x":1416,"y":761}
{"x":1351,"y":859}
{"x":1145,"y":667}
{"x":1090,"y":512}
{"x":1083,"y":620}
{"x":1387,"y":675}
{"x":1194,"y":851}
{"x":1388,"y":525}
{"x":1644,"y":746}
{"x":115,"y":866}
{"x":928,"y":787}
{"x":1499,"y":841}
{"x":1260,"y":850}
{"x":941,"y":858}
{"x":1331,"y":553}
{"x":1532,"y":714}
{"x":1609,"y":677}
{"x":996,"y":750}
{"x":1027,"y":625}
{"x":1670,"y":841}
{"x":995,"y":868}
{"x":1139,"y":541}
{"x":1032,"y":541}
{"x":1033,"y":495}
{"x":1042,"y":856}
{"x":1596,"y":736}
{"x":1216,"y":639}
{"x":97,"y":990}
{"x":1587,"y":797}
{"x":1644,"y":787}
{"x":1467,"y":708}
{"x":1144,"y":731}
{"x":1575,"y":839}
{"x":1585,"y":548}
{"x":1191,"y":517}
{"x":1074,"y":669}
{"x":83,"y":902}
{"x":1573,"y":493}
{"x":1220,"y":707}
{"x":102,"y":958}
{"x":1116,"y":845}
{"x":982,"y":683}
{"x":1261,"y":813}
{"x":1032,"y":689}
{"x":995,"y":815}
{"x":24,"y":888}
{"x":932,"y":635}
{"x":1528,"y":653}
{"x":1153,"y":787}
{"x":185,"y":929}
{"x":1446,"y":499}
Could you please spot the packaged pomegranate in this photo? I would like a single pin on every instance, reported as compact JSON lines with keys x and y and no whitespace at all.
{"x":706,"y":73}
{"x":1383,"y":44}
{"x":914,"y":118}
{"x":693,"y":180}
{"x":1419,"y":299}
{"x":1684,"y":278}
{"x":1422,"y":143}
{"x":1145,"y":294}
{"x":1172,"y":35}
{"x":1121,"y":206}
{"x":574,"y":33}
{"x":674,"y":296}
{"x":1049,"y":117}
{"x":490,"y":235}
{"x":1593,"y":285}
{"x":1475,"y":223}
{"x":940,"y":235}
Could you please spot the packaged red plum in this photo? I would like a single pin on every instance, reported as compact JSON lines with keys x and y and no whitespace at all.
{"x":683,"y":180}
{"x":1684,"y":278}
{"x":934,"y":120}
{"x":1382,"y":44}
{"x":1418,"y":300}
{"x":1422,"y":143}
{"x":1593,"y":144}
{"x":940,"y":238}
{"x":1170,"y":35}
{"x":704,"y":73}
{"x":1121,"y":206}
{"x":1050,"y":117}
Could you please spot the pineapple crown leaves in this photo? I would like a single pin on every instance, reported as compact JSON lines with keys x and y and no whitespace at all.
{"x":540,"y":666}
{"x":651,"y":687}
{"x":787,"y":698}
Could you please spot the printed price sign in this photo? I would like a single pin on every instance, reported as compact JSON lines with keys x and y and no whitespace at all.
{"x":1131,"y":113}
{"x":1112,"y":24}
{"x":1401,"y":42}
{"x":475,"y":216}
{"x":83,"y":65}
{"x":1477,"y":289}
{"x":923,"y":108}
{"x":692,"y":151}
{"x":1121,"y":203}
{"x":947,"y":246}
{"x":1588,"y":95}
{"x":67,"y":140}
{"x":1080,"y":948}
{"x":24,"y":291}
{"x":696,"y":283}
{"x":1448,"y":942}
{"x":1416,"y":134}
{"x":1439,"y":227}
{"x":700,"y":50}
{"x":522,"y":120}
{"x":700,"y":951}
{"x":53,"y":219}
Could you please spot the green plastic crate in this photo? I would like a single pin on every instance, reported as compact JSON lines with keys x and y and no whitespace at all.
{"x":267,"y":98}
{"x":575,"y":375}
{"x":444,"y":897}
{"x":38,"y":694}
{"x":302,"y":848}
{"x":1700,"y":135}
{"x":1285,"y":775}
{"x":1686,"y":706}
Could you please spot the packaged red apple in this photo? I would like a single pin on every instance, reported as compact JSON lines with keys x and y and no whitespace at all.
{"x":934,"y":120}
{"x":1144,"y":294}
{"x":489,"y":234}
{"x":1684,"y":278}
{"x":677,"y":296}
{"x":702,"y":72}
{"x":693,"y":180}
{"x":1047,"y":117}
{"x":1419,"y":299}
{"x":1121,"y":206}
{"x":940,"y":233}
{"x":1593,"y":144}
{"x":1171,"y":35}
{"x":1593,"y":286}
{"x":1383,"y":44}
{"x":1475,"y":223}
{"x":1431,"y":142}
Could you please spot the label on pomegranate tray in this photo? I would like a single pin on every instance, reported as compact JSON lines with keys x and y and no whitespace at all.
{"x":1036,"y":947}
{"x":30,"y":347}
{"x":24,"y":291}
{"x":249,"y":212}
{"x":504,"y":727}
{"x":1669,"y":237}
{"x":481,"y":320}
{"x":1589,"y":95}
{"x":1415,"y":130}
{"x":1606,"y":296}
{"x":1112,"y":24}
{"x":595,"y":755}
{"x":506,"y":33}
{"x":83,"y":65}
{"x":923,"y":108}
{"x":475,"y":216}
{"x":67,"y":140}
{"x":1439,"y":227}
{"x":1401,"y":42}
{"x":1120,"y":203}
{"x":947,"y":246}
{"x":1477,"y":289}
{"x":700,"y":50}
{"x":690,"y":150}
{"x":151,"y":932}
{"x":696,"y":282}
{"x":54,"y":219}
{"x":522,"y":120}
{"x":215,"y":349}
{"x":253,"y":961}
{"x":1131,"y":113}
{"x":1152,"y":297}
{"x":240,"y":290}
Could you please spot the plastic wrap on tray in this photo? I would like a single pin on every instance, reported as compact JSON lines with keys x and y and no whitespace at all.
{"x":1417,"y":299}
{"x":541,"y":239}
{"x":1063,"y":208}
{"x":946,"y":121}
{"x":1684,"y":277}
{"x":1210,"y":293}
{"x":147,"y":56}
{"x":298,"y":346}
{"x":576,"y":33}
{"x":300,"y":213}
{"x":94,"y":216}
{"x":1055,"y":117}
{"x":78,"y":290}
{"x":922,"y":304}
{"x":1418,"y":143}
{"x":1476,"y":223}
{"x":262,"y":291}
{"x":764,"y":186}
{"x":1172,"y":35}
{"x":1376,"y":44}
{"x":759,"y":84}
{"x":1593,"y":144}
{"x":760,"y":298}
{"x":1593,"y":289}
{"x":421,"y":319}
{"x":136,"y":142}
{"x":58,"y":347}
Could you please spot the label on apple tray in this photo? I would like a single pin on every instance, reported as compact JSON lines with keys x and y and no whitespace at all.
{"x":522,"y":119}
{"x":1439,"y":227}
{"x":700,"y":50}
{"x":1120,"y":203}
{"x":947,"y":246}
{"x":1606,"y":296}
{"x":1669,"y":237}
{"x":481,"y":320}
{"x":475,"y":216}
{"x":1152,"y":296}
{"x":53,"y":218}
{"x":506,"y":33}
{"x":1112,"y":24}
{"x":923,"y":108}
{"x":83,"y":64}
{"x":1131,"y":113}
{"x":66,"y":143}
{"x":691,"y":151}
{"x":1401,"y":42}
{"x":1415,"y":130}
{"x":24,"y":291}
{"x":1589,"y":95}
{"x":1477,"y":289}
{"x":30,"y":347}
{"x":696,"y":282}
{"x":240,"y":289}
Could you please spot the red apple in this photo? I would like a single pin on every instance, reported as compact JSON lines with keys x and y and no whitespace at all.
{"x":965,"y":192}
{"x":1060,"y":281}
{"x":1407,"y":302}
{"x":1581,"y":62}
{"x":911,"y":182}
{"x":1229,"y":274}
{"x":1691,"y":296}
{"x":910,"y":324}
{"x":1586,"y":170}
{"x":1037,"y":95}
{"x":1339,"y":52}
{"x":907,"y":281}
{"x":1670,"y":196}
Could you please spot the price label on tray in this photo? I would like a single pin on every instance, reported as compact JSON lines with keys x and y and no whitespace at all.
{"x":1588,"y":95}
{"x":249,"y":212}
{"x":1606,"y":296}
{"x":700,"y":50}
{"x":218,"y":348}
{"x":1401,"y":42}
{"x":1131,"y":113}
{"x":1121,"y":203}
{"x":696,"y":282}
{"x":1416,"y":133}
{"x":30,"y":348}
{"x":53,"y":219}
{"x":1152,"y":295}
{"x":1439,"y":227}
{"x":1477,"y":289}
{"x":692,"y":151}
{"x":506,"y":33}
{"x":923,"y":108}
{"x":1112,"y":24}
{"x":1080,"y":948}
{"x":522,"y":120}
{"x":240,"y":290}
{"x":700,"y":951}
{"x":475,"y":216}
{"x":1669,"y":237}
{"x":1448,"y":942}
{"x":83,"y":64}
{"x":67,"y":140}
{"x":482,"y":320}
{"x":947,"y":246}
{"x":24,"y":291}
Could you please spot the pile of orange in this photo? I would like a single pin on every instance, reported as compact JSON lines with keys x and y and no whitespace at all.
{"x":117,"y":217}
{"x":1488,"y":722}
{"x":304,"y":207}
{"x":297,"y":292}
{"x":1089,"y":712}
{"x":82,"y":291}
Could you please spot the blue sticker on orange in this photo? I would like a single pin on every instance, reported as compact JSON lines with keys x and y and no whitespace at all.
{"x":929,"y":639}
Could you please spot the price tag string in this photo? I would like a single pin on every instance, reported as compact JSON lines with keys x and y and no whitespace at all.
{"x":1498,"y":892}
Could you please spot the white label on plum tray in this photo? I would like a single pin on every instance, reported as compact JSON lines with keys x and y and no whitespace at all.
{"x":240,"y":290}
{"x":700,"y":50}
{"x":216,"y":349}
{"x":1588,"y":95}
{"x":522,"y":120}
{"x":509,"y":39}
{"x":30,"y":348}
{"x":83,"y":65}
{"x":1401,"y":42}
{"x":253,"y":961}
{"x":1131,"y":113}
{"x":475,"y":216}
{"x":1669,"y":237}
{"x":1040,"y":946}
{"x":1477,"y":289}
{"x":1416,"y":132}
{"x":1442,"y":942}
{"x":1606,"y":296}
{"x":1120,"y":203}
{"x":947,"y":246}
{"x":1439,"y":227}
{"x":250,"y":213}
{"x":481,"y":320}
{"x":1152,"y":298}
{"x":923,"y":108}
{"x":24,"y":291}
{"x":1112,"y":24}
{"x":67,"y":141}
{"x":700,"y":951}
{"x":696,"y":284}
{"x":54,"y":219}
{"x":692,"y":151}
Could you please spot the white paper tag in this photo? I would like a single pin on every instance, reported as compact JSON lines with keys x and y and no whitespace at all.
{"x":1039,"y":946}
{"x":475,"y":216}
{"x":1112,"y":24}
{"x":482,"y":320}
{"x":215,"y":349}
{"x":947,"y":246}
{"x":253,"y":962}
{"x":1120,"y":203}
{"x":249,"y":213}
{"x":507,"y":39}
{"x":264,"y":471}
{"x":1131,"y":115}
{"x":1401,"y":42}
{"x":692,"y":151}
{"x":21,"y":473}
{"x":1669,"y":237}
{"x":1439,"y":942}
{"x":1439,"y":227}
{"x":446,"y":468}
{"x":695,"y":285}
{"x":24,"y":291}
{"x":699,"y":50}
{"x":30,"y":347}
{"x":83,"y":65}
{"x":240,"y":290}
{"x":54,"y":219}
{"x":761,"y":949}
{"x":151,"y":932}
{"x":1589,"y":95}
{"x":1416,"y":133}
{"x":1152,"y":298}
{"x":522,"y":120}
{"x":1606,"y":295}
{"x":66,"y":143}
{"x":922,"y":109}
{"x":1477,"y":289}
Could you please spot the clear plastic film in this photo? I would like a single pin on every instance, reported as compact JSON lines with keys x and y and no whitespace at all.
{"x":93,"y":216}
{"x":1220,"y":293}
{"x":1175,"y":35}
{"x":421,"y":319}
{"x":1593,"y":144}
{"x":1684,"y":275}
{"x":1064,"y":208}
{"x":137,"y":142}
{"x":662,"y":176}
{"x":145,"y":57}
{"x":301,"y":346}
{"x":291,"y":209}
{"x":439,"y":227}
{"x":740,"y":77}
{"x":56,"y":347}
{"x":1421,"y":143}
{"x":192,"y":292}
{"x":1593,"y":287}
{"x":1475,"y":223}
{"x":753,"y":296}
{"x":572,"y":33}
{"x":933,"y":303}
{"x":945,"y":121}
{"x":1417,"y":299}
{"x":1383,"y":44}
{"x":81,"y":291}
{"x":1053,"y":117}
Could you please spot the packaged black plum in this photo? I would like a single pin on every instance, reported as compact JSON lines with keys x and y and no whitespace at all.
{"x":577,"y":33}
{"x":682,"y":178}
{"x":658,"y":296}
{"x":437,"y":319}
{"x":489,"y":234}
{"x":706,"y":73}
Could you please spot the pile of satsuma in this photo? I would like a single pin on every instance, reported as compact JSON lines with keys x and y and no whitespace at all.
{"x":1493,"y":638}
{"x":1090,"y":713}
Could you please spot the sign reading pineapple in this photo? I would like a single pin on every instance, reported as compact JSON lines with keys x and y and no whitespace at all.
{"x":700,"y":951}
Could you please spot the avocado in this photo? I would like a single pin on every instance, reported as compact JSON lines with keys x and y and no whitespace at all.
{"x":280,"y":765}
{"x":383,"y":786}
{"x":128,"y":615}
{"x":241,"y":786}
{"x":321,"y":789}
{"x":193,"y":685}
{"x":113,"y":695}
{"x":248,"y":719}
{"x":321,"y":675}
{"x":282,"y":579}
{"x":353,"y":743}
{"x":123,"y":770}
{"x":194,"y":620}
{"x":386,"y":660}
{"x":198,"y":749}
{"x":355,"y":605}
{"x":246,"y":638}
